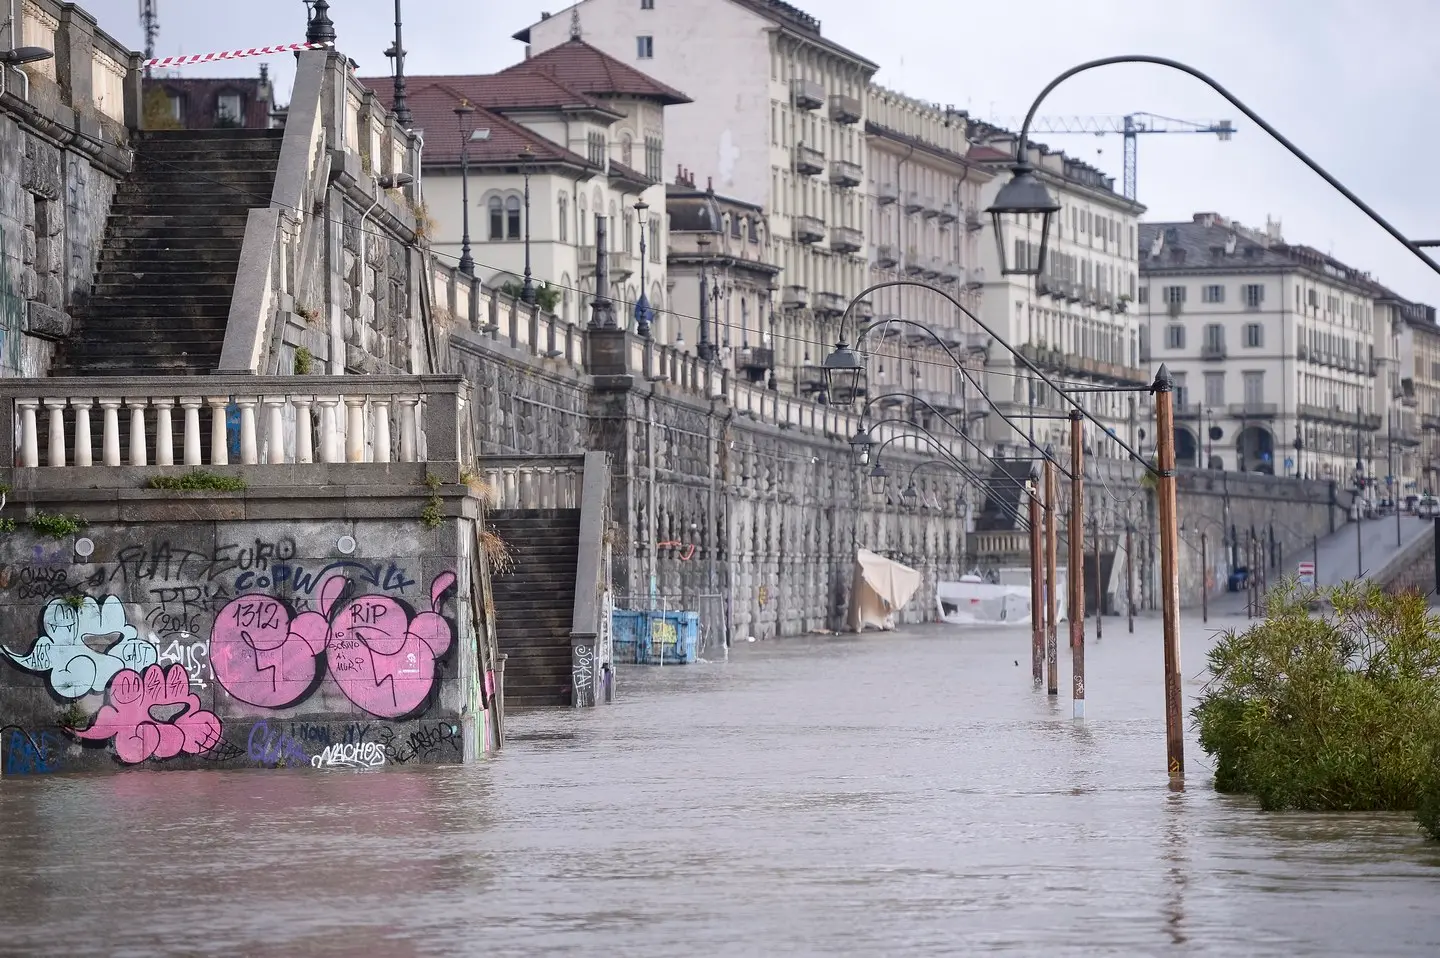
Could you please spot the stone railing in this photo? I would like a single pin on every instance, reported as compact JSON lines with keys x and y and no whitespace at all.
{"x":549,"y":482}
{"x":91,"y":84}
{"x":252,"y":420}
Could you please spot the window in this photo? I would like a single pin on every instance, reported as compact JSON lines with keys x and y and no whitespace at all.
{"x":1214,"y":389}
{"x":654,"y":158}
{"x":595,"y":147}
{"x":1254,"y":336}
{"x":177,"y":107}
{"x":564,"y":218}
{"x":229,"y":108}
{"x":1182,"y":391}
{"x":629,"y":232}
{"x":647,"y":4}
{"x":1254,"y":295}
{"x":627,"y":150}
{"x":1174,"y":294}
{"x":1215,"y":338}
{"x":1254,"y":388}
{"x":654,"y":225}
{"x":1143,"y":295}
{"x":737,"y":225}
{"x":754,"y":230}
{"x":1175,"y":337}
{"x":512,"y":218}
{"x":644,"y":48}
{"x":1213,"y":294}
{"x":497,"y":218}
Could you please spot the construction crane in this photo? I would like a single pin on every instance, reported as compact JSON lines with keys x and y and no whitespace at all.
{"x":1130,"y":126}
{"x":150,"y":22}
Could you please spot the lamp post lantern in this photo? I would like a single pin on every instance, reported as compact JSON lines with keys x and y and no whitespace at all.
{"x":878,"y":479}
{"x":705,"y":349}
{"x":1015,"y":210}
{"x":527,"y":288}
{"x":318,"y":26}
{"x":643,"y":311}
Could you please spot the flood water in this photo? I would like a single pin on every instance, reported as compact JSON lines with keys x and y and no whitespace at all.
{"x":901,"y":794}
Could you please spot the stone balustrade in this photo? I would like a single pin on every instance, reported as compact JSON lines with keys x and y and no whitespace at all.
{"x":550,"y":482}
{"x":239,"y":420}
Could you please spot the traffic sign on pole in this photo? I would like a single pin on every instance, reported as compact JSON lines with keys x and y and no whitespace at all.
{"x":1306,"y":571}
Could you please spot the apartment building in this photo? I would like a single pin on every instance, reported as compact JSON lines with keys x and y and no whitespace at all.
{"x":924,"y":224}
{"x":1076,"y":321}
{"x":778,"y":122}
{"x":1425,"y":352}
{"x":586,"y":131}
{"x":1273,"y":347}
{"x":1410,"y":389}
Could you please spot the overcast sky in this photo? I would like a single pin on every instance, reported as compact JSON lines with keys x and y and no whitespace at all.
{"x":1352,"y":82}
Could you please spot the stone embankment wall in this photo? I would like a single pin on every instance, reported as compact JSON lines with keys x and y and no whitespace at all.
{"x":1413,"y":568}
{"x":65,"y":126}
{"x":323,"y":627}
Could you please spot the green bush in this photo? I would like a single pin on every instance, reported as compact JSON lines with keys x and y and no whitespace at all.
{"x":198,"y":480}
{"x":56,"y":525}
{"x":1338,"y":712}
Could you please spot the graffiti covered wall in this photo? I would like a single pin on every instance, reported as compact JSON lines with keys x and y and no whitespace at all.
{"x":343,"y":644}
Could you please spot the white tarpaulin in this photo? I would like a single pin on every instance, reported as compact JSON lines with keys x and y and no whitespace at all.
{"x":973,"y":602}
{"x":881,"y":588}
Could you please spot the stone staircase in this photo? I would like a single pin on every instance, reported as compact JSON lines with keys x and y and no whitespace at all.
{"x":167,"y":269}
{"x":534,"y":604}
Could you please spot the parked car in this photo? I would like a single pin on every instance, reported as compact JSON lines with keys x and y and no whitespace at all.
{"x":1428,"y":507}
{"x":1239,"y":578}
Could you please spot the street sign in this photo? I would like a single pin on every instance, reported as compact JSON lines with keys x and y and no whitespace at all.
{"x":1307,"y":574}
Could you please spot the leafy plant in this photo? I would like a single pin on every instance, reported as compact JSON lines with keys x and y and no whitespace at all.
{"x":56,"y":525}
{"x":71,"y":716}
{"x":434,"y":512}
{"x":74,"y":601}
{"x":1309,"y":712}
{"x":7,"y":525}
{"x":198,"y":480}
{"x":546,"y":296}
{"x":424,"y":225}
{"x":304,"y":361}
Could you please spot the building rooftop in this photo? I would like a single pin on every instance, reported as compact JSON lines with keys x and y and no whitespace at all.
{"x":582,"y":67}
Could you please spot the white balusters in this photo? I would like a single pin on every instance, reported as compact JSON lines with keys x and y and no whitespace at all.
{"x":29,"y":437}
{"x":219,"y":440}
{"x":164,"y":434}
{"x":56,"y":455}
{"x":354,"y":428}
{"x":110,"y":432}
{"x":275,"y":429}
{"x":249,"y":447}
{"x":192,"y":406}
{"x":139,"y":455}
{"x":83,"y":454}
{"x":409,"y":409}
{"x":380,"y":409}
{"x":304,"y":442}
{"x":329,"y":431}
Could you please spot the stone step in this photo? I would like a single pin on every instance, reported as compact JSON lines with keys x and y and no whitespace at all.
{"x":537,"y":701}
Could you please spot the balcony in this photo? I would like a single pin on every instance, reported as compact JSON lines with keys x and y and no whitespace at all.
{"x":755,"y":359}
{"x":975,"y":278}
{"x":1254,"y":410}
{"x":1338,"y":416}
{"x":845,"y":109}
{"x":846,"y":239}
{"x":807,"y":229}
{"x":887,"y":194}
{"x":1302,"y":352}
{"x":1187,"y":410}
{"x":1430,"y":422}
{"x":810,"y":379}
{"x":973,"y":221}
{"x":807,"y":94}
{"x":976,"y":407}
{"x":864,"y":310}
{"x":808,"y":160}
{"x":1072,"y":292}
{"x":886,"y":256}
{"x":932,"y":266}
{"x":914,"y":262}
{"x":830,"y":304}
{"x":619,"y":264}
{"x":1212,"y":351}
{"x":913,"y":202}
{"x":949,"y":213}
{"x":1174,"y":308}
{"x":977,"y":342}
{"x":795,"y":297}
{"x":845,"y":174}
{"x":930,"y":207}
{"x":950,"y":272}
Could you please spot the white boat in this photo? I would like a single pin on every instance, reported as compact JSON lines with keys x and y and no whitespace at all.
{"x":972,"y":601}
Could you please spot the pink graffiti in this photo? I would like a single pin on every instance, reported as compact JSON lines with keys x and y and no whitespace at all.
{"x":139,"y":714}
{"x":384,"y":660}
{"x":263,"y":654}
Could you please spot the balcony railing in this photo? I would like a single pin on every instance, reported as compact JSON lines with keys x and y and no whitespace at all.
{"x":845,"y":239}
{"x":830,"y":304}
{"x":620,"y":263}
{"x":807,"y":229}
{"x":807,"y":94}
{"x":1339,"y":416}
{"x":808,"y":160}
{"x":1187,"y":410}
{"x":886,"y":256}
{"x":1212,"y":351}
{"x":846,"y":174}
{"x":845,"y":109}
{"x":914,"y":202}
{"x":253,"y":420}
{"x":1254,"y":410}
{"x":948,"y":213}
{"x":757,"y":358}
{"x":887,"y":194}
{"x":795,"y":297}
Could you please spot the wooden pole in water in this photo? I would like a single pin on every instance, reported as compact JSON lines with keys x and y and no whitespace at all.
{"x":1129,"y":581}
{"x":1077,"y":564}
{"x":1052,"y":574}
{"x":1204,"y":581}
{"x":1099,"y":586}
{"x":1164,"y":387}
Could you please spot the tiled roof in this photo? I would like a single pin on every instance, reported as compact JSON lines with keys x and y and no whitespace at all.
{"x":982,"y":154}
{"x":434,"y":109}
{"x":499,"y":92}
{"x":582,"y":67}
{"x":1193,"y":246}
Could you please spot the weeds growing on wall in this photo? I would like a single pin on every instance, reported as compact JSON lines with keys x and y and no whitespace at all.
{"x":434,"y":512}
{"x":56,"y":525}
{"x":497,"y":551}
{"x":304,"y":361}
{"x":198,"y":480}
{"x":1338,"y":712}
{"x":424,"y":225}
{"x":72,"y":716}
{"x":307,"y":313}
{"x":481,"y":488}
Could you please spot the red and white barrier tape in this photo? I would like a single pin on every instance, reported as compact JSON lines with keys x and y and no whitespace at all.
{"x":233,"y":54}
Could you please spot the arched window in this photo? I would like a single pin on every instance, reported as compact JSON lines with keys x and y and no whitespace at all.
{"x":564,"y":204}
{"x":584,"y":231}
{"x":497,"y":218}
{"x":613,"y":224}
{"x":629,"y":232}
{"x":565,"y":296}
{"x":512,"y":217}
{"x":627,"y":150}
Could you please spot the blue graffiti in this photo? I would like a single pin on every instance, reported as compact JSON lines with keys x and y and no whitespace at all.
{"x":274,"y":748}
{"x":27,"y":754}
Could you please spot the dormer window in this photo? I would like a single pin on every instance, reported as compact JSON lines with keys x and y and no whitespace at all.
{"x":229,"y":109}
